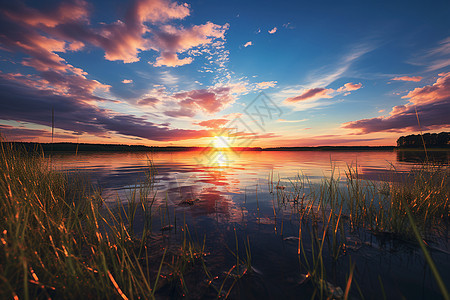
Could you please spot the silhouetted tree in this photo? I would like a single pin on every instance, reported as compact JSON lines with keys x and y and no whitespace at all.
{"x":432,"y":140}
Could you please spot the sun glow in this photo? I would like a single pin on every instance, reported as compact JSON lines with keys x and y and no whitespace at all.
{"x":221,"y":142}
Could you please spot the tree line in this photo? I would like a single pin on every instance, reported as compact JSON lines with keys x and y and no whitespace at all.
{"x":431,"y":140}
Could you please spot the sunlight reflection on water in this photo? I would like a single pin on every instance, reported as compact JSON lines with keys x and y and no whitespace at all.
{"x":224,"y":174}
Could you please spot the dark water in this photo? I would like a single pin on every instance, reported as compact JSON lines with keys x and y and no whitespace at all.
{"x":232,"y":198}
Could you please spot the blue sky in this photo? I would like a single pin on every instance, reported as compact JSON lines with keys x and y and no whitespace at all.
{"x":158,"y":72}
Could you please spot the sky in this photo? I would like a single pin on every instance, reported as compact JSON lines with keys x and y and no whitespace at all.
{"x":224,"y":73}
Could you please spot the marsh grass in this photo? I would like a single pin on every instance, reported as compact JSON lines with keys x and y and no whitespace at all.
{"x":411,"y":207}
{"x":60,"y":240}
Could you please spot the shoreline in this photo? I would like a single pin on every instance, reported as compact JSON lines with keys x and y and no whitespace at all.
{"x":86,"y":147}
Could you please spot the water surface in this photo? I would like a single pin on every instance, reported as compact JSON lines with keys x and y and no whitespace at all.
{"x":237,"y":192}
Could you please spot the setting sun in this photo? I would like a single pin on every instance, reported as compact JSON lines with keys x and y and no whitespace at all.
{"x":221,"y":142}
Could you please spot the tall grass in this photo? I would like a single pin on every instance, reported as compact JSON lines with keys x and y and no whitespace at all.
{"x":410,"y":206}
{"x":58,"y":240}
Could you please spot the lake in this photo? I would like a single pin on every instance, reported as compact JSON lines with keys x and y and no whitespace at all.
{"x":224,"y":196}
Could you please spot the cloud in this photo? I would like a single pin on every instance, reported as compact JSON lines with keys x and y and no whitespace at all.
{"x":348,"y":87}
{"x":209,"y":101}
{"x":432,"y":103}
{"x":62,"y":83}
{"x":66,"y":12}
{"x":323,"y":77}
{"x":248,"y":44}
{"x":24,"y":103}
{"x":310,"y":94}
{"x":308,"y":98}
{"x":440,"y":90}
{"x":127,"y":81}
{"x":408,"y":78}
{"x":170,"y":40}
{"x":291,"y":121}
{"x":213,"y":123}
{"x":266,"y":84}
{"x":150,"y":101}
{"x":171,"y":60}
{"x":142,"y":28}
{"x":435,"y":58}
{"x":273,"y":30}
{"x":11,"y":133}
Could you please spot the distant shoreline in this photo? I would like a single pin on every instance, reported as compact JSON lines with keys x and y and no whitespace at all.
{"x":85,"y":147}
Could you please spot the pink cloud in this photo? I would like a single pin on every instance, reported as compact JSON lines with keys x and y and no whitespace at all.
{"x":127,"y":81}
{"x":273,"y":30}
{"x":348,"y":87}
{"x":171,"y":59}
{"x":408,"y":78}
{"x":170,"y":40}
{"x":150,"y":101}
{"x":142,"y":28}
{"x":68,"y":11}
{"x":431,"y":93}
{"x":213,"y":123}
{"x":248,"y":44}
{"x":11,"y":133}
{"x":432,"y":103}
{"x":311,"y":94}
{"x":24,"y":103}
{"x":209,"y":101}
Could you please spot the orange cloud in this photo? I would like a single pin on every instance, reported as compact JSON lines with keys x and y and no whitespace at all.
{"x":348,"y":87}
{"x":248,"y":44}
{"x":213,"y":123}
{"x":170,"y":59}
{"x":408,"y":78}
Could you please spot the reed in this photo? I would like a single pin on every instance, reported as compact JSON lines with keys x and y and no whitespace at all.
{"x":60,"y":240}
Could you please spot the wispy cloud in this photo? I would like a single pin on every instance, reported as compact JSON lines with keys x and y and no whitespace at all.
{"x":326,"y":75}
{"x":273,"y":30}
{"x":248,"y":44}
{"x":435,"y":58}
{"x":291,"y":121}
